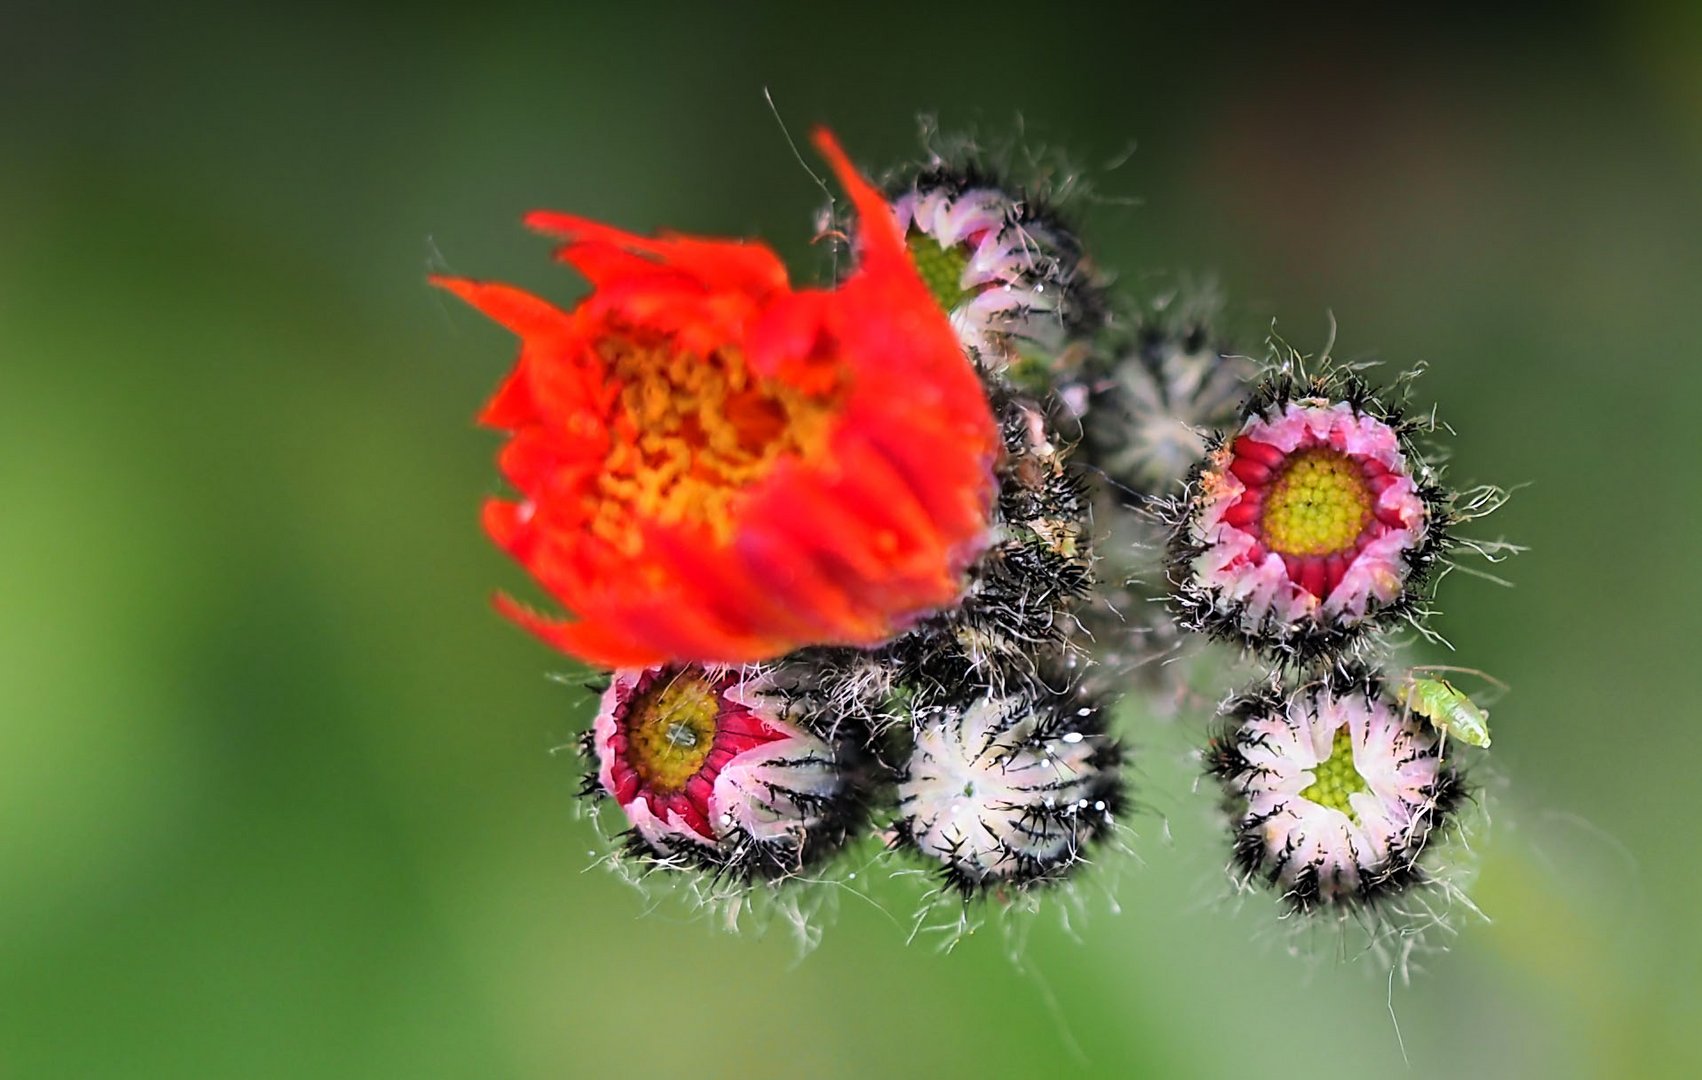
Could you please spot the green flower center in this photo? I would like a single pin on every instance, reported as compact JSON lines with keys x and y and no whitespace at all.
{"x":1318,"y":506}
{"x":671,"y":729}
{"x":941,"y":269}
{"x":1335,"y":778}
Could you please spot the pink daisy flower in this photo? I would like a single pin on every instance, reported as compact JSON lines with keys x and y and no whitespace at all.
{"x":1334,"y":788}
{"x":708,"y":768}
{"x":1311,"y":522}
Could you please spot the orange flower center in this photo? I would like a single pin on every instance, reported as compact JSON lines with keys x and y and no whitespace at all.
{"x":671,"y":728}
{"x":690,"y":434}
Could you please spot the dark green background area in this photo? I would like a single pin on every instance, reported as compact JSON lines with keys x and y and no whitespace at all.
{"x":277,"y":795}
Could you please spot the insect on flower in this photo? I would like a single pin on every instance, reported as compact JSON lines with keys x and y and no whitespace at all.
{"x":712,"y":466}
{"x":1453,"y":712}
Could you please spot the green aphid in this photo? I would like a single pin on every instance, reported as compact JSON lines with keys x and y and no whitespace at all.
{"x":1451,"y":711}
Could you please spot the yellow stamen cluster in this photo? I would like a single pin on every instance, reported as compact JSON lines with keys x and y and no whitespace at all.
{"x":1318,"y":505}
{"x":671,"y":729}
{"x":689,"y":434}
{"x":1336,"y":778}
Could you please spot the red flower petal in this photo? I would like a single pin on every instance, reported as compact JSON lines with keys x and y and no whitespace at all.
{"x":719,"y":264}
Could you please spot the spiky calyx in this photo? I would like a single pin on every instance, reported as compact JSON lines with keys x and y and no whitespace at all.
{"x":1149,"y":403}
{"x":1008,"y":791}
{"x":1018,"y":611}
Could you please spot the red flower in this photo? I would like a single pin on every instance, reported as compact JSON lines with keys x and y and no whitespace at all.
{"x":715,"y":467}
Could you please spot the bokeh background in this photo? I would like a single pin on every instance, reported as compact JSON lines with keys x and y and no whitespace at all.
{"x":277,"y":791}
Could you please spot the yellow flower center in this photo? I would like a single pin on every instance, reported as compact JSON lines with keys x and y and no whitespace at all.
{"x":941,"y":269}
{"x":1318,"y":506}
{"x":691,"y":433}
{"x":670,"y":729}
{"x":1336,"y":778}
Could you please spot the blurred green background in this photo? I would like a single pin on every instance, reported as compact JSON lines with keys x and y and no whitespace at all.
{"x":277,"y":795}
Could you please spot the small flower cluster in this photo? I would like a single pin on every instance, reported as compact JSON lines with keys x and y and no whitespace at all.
{"x":876,"y":560}
{"x":1311,"y":529}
